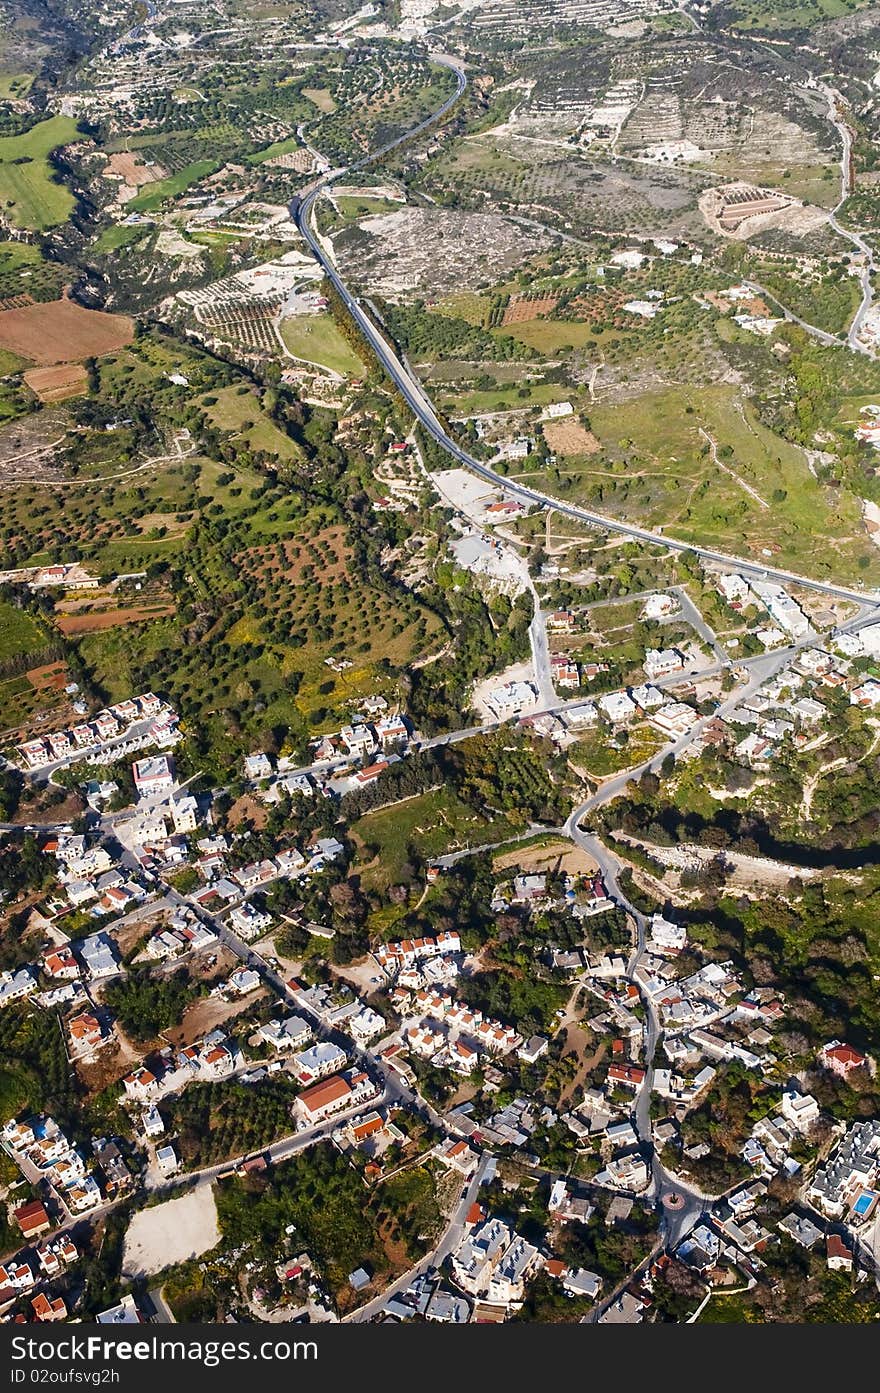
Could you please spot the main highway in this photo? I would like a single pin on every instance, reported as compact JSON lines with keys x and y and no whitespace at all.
{"x":411,"y":389}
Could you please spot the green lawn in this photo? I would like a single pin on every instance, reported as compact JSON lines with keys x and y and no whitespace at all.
{"x":112,"y":238}
{"x":316,"y":339}
{"x":30,"y":196}
{"x":14,"y":255}
{"x":279,"y":147}
{"x":14,"y":86}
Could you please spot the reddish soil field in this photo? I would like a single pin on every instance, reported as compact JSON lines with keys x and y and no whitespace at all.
{"x":58,"y":383}
{"x":52,"y":678}
{"x":132,"y":170}
{"x":108,"y":619}
{"x":570,"y":438}
{"x":522,"y":308}
{"x":62,"y":332}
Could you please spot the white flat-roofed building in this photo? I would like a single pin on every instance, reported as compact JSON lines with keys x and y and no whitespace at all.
{"x":618,"y":707}
{"x":318,"y":1061}
{"x":185,"y":813}
{"x":675,"y":717}
{"x":660,"y":662}
{"x":153,"y":776}
{"x":257,"y":766}
{"x":581,"y":717}
{"x":290,"y":1033}
{"x":358,"y":740}
{"x":665,"y":935}
{"x":647,"y":697}
{"x":512,"y":698}
{"x":98,"y":955}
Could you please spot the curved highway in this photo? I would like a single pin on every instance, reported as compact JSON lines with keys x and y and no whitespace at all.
{"x":420,"y":404}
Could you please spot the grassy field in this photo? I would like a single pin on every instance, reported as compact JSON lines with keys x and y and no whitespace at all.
{"x":761,"y":497}
{"x":790,"y":14}
{"x":14,"y":86}
{"x":550,"y":335}
{"x":112,"y":238}
{"x":321,"y":98}
{"x":154,"y":195}
{"x":28,"y":190}
{"x":435,"y":822}
{"x":363,"y":207}
{"x":19,"y":633}
{"x":595,"y":755}
{"x":279,"y":147}
{"x":316,"y":339}
{"x":508,"y":398}
{"x":243,"y":414}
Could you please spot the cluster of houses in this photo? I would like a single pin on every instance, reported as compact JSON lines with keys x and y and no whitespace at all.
{"x":44,"y":1154}
{"x":449,"y":1033}
{"x":88,"y":877}
{"x":374,"y":740}
{"x":67,"y":970}
{"x":790,"y":704}
{"x":620,"y":708}
{"x":213,"y":1057}
{"x":411,"y":954}
{"x":26,"y":1276}
{"x":119,"y":730}
{"x":225,"y":886}
{"x":183,"y":933}
{"x":338,"y":1008}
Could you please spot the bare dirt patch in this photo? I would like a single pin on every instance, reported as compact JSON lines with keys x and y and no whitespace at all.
{"x":108,"y":1066}
{"x":433,"y":252}
{"x":571,"y":859}
{"x":108,"y":619}
{"x":132,"y":170}
{"x":60,"y":331}
{"x":205,"y":1015}
{"x":248,"y":809}
{"x":172,"y":1232}
{"x":52,"y":678}
{"x":570,"y":438}
{"x":58,"y":383}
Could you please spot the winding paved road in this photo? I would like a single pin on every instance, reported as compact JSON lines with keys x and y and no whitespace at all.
{"x":420,"y":404}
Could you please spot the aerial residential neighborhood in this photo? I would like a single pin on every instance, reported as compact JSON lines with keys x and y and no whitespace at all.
{"x":439,"y":665}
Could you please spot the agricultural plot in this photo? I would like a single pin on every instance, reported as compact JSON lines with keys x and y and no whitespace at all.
{"x":61,"y":331}
{"x":57,"y":384}
{"x":32,"y":196}
{"x":523,"y":308}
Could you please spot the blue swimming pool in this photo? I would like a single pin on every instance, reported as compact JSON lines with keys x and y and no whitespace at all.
{"x":863,"y":1204}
